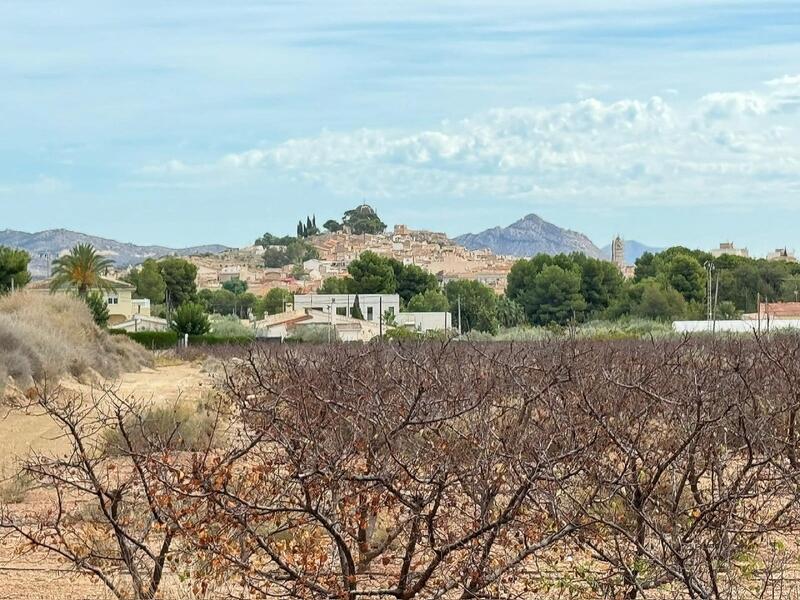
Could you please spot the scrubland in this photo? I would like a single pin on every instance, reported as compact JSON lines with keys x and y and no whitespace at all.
{"x":47,"y":337}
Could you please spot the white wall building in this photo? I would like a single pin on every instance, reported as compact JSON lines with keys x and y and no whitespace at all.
{"x":735,"y":326}
{"x":372,"y":305}
{"x":425,"y":321}
{"x":729,"y":249}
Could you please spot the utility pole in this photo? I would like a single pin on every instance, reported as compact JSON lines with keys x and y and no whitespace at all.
{"x":716,"y":298}
{"x":459,"y":316}
{"x":380,"y":316}
{"x":332,"y":311}
{"x":709,"y":266}
{"x":758,"y":310}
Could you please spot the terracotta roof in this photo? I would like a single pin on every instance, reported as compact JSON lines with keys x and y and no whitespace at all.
{"x":781,"y":310}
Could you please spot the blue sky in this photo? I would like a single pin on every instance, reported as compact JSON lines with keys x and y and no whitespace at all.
{"x":196,"y":122}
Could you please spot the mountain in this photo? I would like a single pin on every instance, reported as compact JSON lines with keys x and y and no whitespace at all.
{"x":45,"y":246}
{"x":529,"y":236}
{"x":633,"y":250}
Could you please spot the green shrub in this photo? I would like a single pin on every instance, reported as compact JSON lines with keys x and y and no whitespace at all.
{"x":167,"y":340}
{"x":15,"y":490}
{"x":184,"y":426}
{"x":155,"y":340}
{"x":99,"y":307}
{"x":230,"y":326}
{"x":622,"y":329}
{"x":401,"y":334}
{"x":219,"y":340}
{"x":191,"y":318}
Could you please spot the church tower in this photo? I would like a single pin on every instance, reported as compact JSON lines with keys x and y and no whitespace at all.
{"x":618,"y":252}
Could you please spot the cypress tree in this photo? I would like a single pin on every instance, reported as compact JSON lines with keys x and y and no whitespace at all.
{"x":355,"y":312}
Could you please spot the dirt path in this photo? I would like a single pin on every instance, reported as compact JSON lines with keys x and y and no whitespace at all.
{"x":20,"y":433}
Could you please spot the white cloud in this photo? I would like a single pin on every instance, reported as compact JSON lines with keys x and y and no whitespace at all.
{"x":722,"y":148}
{"x":724,"y":105}
{"x":42,"y":185}
{"x":786,"y":80}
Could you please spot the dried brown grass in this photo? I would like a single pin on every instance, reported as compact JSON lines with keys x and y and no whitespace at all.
{"x":48,"y":337}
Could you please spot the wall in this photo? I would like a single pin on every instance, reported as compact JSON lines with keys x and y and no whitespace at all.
{"x":735,"y":326}
{"x":426,"y":321}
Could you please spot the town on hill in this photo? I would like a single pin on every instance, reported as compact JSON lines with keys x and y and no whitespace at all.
{"x":532,"y":273}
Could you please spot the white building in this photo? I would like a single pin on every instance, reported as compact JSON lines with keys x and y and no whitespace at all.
{"x":143,"y":323}
{"x":372,"y":306}
{"x":735,"y":326}
{"x":425,"y":321}
{"x":782,"y":255}
{"x":728,"y":249}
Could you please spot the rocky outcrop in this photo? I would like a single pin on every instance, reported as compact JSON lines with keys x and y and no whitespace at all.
{"x":530,"y":236}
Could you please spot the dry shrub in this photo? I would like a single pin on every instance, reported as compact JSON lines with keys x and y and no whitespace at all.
{"x":182,"y":426}
{"x":15,"y":489}
{"x":51,"y":336}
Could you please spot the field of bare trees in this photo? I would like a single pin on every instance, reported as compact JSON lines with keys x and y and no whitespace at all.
{"x":574,"y":469}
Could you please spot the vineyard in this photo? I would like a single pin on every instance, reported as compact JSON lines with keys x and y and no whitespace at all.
{"x":570,"y":469}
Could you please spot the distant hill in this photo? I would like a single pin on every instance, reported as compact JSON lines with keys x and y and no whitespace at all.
{"x":633,"y":250}
{"x":45,"y":246}
{"x":530,"y":236}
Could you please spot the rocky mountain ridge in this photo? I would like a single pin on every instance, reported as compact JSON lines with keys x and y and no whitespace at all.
{"x":45,"y":246}
{"x":530,"y":236}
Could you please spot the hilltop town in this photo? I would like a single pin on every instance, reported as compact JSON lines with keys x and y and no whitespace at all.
{"x":334,"y":251}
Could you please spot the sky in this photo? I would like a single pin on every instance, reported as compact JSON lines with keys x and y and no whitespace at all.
{"x":183,"y":123}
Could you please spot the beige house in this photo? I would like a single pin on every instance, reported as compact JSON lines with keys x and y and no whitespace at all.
{"x":122,"y":306}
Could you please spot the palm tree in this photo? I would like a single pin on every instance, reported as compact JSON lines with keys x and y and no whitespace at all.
{"x":82,"y":269}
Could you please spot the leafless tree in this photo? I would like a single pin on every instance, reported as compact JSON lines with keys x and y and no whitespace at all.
{"x":691,"y":488}
{"x":385,"y":471}
{"x":101,"y":514}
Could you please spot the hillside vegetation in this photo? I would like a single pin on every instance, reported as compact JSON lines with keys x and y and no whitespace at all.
{"x":47,"y":337}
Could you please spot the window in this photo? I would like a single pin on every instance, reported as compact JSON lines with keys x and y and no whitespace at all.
{"x":113,"y":300}
{"x":341,"y":310}
{"x":369,"y":313}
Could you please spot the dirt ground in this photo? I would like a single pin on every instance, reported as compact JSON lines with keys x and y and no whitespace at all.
{"x":45,"y":578}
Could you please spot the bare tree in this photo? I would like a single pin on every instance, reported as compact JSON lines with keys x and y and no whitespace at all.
{"x":690,"y":489}
{"x":423,"y":471}
{"x":102,"y":516}
{"x":623,"y":469}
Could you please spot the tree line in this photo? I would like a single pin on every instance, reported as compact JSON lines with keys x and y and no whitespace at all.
{"x":541,"y":291}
